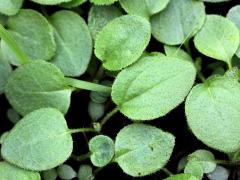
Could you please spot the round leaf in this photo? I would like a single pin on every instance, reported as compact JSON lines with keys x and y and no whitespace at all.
{"x":102,"y":149}
{"x":219,"y":38}
{"x":218,"y":124}
{"x":85,"y":172}
{"x":103,"y":2}
{"x":37,"y":85}
{"x":178,"y":22}
{"x":220,"y":173}
{"x":74,"y":43}
{"x":66,"y":172}
{"x":10,"y":7}
{"x":50,"y":2}
{"x":152,"y":87}
{"x":142,"y":149}
{"x":195,"y":168}
{"x":95,"y":110}
{"x":122,"y":41}
{"x":50,"y":174}
{"x":182,"y":177}
{"x":11,"y":172}
{"x":32,"y":33}
{"x":38,"y":142}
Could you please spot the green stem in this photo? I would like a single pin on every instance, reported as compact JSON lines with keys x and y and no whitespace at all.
{"x":108,"y":116}
{"x":88,"y":85}
{"x":22,"y":56}
{"x":228,"y":163}
{"x":200,"y":76}
{"x":81,"y":157}
{"x":78,"y":130}
{"x":186,"y":45}
{"x":229,"y":63}
{"x":167,"y":171}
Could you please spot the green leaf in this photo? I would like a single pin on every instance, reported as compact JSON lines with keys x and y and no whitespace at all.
{"x":152,"y":87}
{"x":72,"y":3}
{"x":11,"y":172}
{"x":85,"y":172}
{"x":234,"y":16}
{"x":3,"y":136}
{"x":95,"y":110}
{"x":220,"y":173}
{"x":102,"y":150}
{"x":32,"y":33}
{"x":37,"y":85}
{"x":3,"y":19}
{"x":10,"y":7}
{"x":218,"y":124}
{"x":103,"y":2}
{"x":13,"y":116}
{"x":122,"y":41}
{"x":99,"y":16}
{"x":142,"y":149}
{"x":50,"y":2}
{"x":38,"y":142}
{"x":182,"y":177}
{"x":145,"y":8}
{"x":219,"y":38}
{"x":74,"y":43}
{"x":50,"y":174}
{"x":178,"y":22}
{"x":195,"y":168}
{"x":172,"y":51}
{"x":5,"y":72}
{"x":215,"y":1}
{"x":66,"y":172}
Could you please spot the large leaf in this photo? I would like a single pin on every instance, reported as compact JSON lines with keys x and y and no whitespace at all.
{"x":178,"y":22}
{"x":218,"y":124}
{"x":37,"y":85}
{"x":74,"y":43}
{"x":143,"y":149}
{"x":218,"y":38}
{"x":11,"y":172}
{"x":32,"y":33}
{"x":10,"y":7}
{"x":122,"y":41}
{"x":50,"y":2}
{"x":152,"y":87}
{"x":40,"y":141}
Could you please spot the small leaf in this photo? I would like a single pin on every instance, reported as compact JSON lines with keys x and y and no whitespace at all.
{"x":220,"y":173}
{"x":195,"y":168}
{"x":122,"y":41}
{"x":5,"y":72}
{"x":11,"y":172}
{"x":66,"y":172}
{"x":74,"y":43}
{"x":95,"y":110}
{"x":102,"y":149}
{"x":181,"y":164}
{"x":103,"y":2}
{"x":50,"y":174}
{"x":182,"y":177}
{"x":142,"y":149}
{"x":218,"y":124}
{"x":10,"y":7}
{"x":218,"y":38}
{"x":72,"y":3}
{"x":85,"y":172}
{"x":99,"y":16}
{"x":38,"y":142}
{"x":50,"y":2}
{"x":140,"y":97}
{"x":172,"y":51}
{"x":37,"y":85}
{"x":32,"y":33}
{"x":145,"y":8}
{"x":178,"y":22}
{"x":13,"y":116}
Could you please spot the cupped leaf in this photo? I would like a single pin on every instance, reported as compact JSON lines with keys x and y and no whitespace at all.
{"x":143,"y":149}
{"x":182,"y":177}
{"x":10,"y":7}
{"x":218,"y":124}
{"x":220,"y":173}
{"x":32,"y":33}
{"x":145,"y":8}
{"x":218,"y":38}
{"x":50,"y":2}
{"x":152,"y":87}
{"x":37,"y":85}
{"x":40,"y":141}
{"x":11,"y":172}
{"x":122,"y":41}
{"x":66,"y":172}
{"x":99,"y":16}
{"x":103,"y":2}
{"x":74,"y":43}
{"x":178,"y":22}
{"x":102,"y":150}
{"x":5,"y":72}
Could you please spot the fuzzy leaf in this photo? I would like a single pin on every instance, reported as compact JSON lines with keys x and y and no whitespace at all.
{"x":50,"y":2}
{"x":172,"y":51}
{"x":66,"y":172}
{"x":218,"y":124}
{"x":103,"y":2}
{"x":10,"y":7}
{"x":85,"y":172}
{"x":5,"y":72}
{"x":152,"y":87}
{"x":122,"y":41}
{"x":195,"y":168}
{"x":38,"y":142}
{"x":178,"y":22}
{"x":143,"y":149}
{"x":32,"y":33}
{"x":182,"y":177}
{"x":74,"y":43}
{"x":72,"y":4}
{"x":37,"y":85}
{"x":219,"y":38}
{"x":50,"y":174}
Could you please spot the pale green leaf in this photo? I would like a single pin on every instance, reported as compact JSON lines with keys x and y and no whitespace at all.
{"x":152,"y":87}
{"x":72,"y":3}
{"x":218,"y":38}
{"x":50,"y":174}
{"x":99,"y":16}
{"x":122,"y":41}
{"x":103,"y":2}
{"x":178,"y":22}
{"x":66,"y":172}
{"x":36,"y":85}
{"x":74,"y":43}
{"x":50,"y":2}
{"x":3,"y":136}
{"x":145,"y":8}
{"x":195,"y":168}
{"x":95,"y":110}
{"x":143,"y":149}
{"x":215,"y":1}
{"x":102,"y":150}
{"x":11,"y":172}
{"x":218,"y":124}
{"x":220,"y":173}
{"x":32,"y":33}
{"x":10,"y":7}
{"x":38,"y":142}
{"x":172,"y":51}
{"x":5,"y":72}
{"x":85,"y":172}
{"x":182,"y":177}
